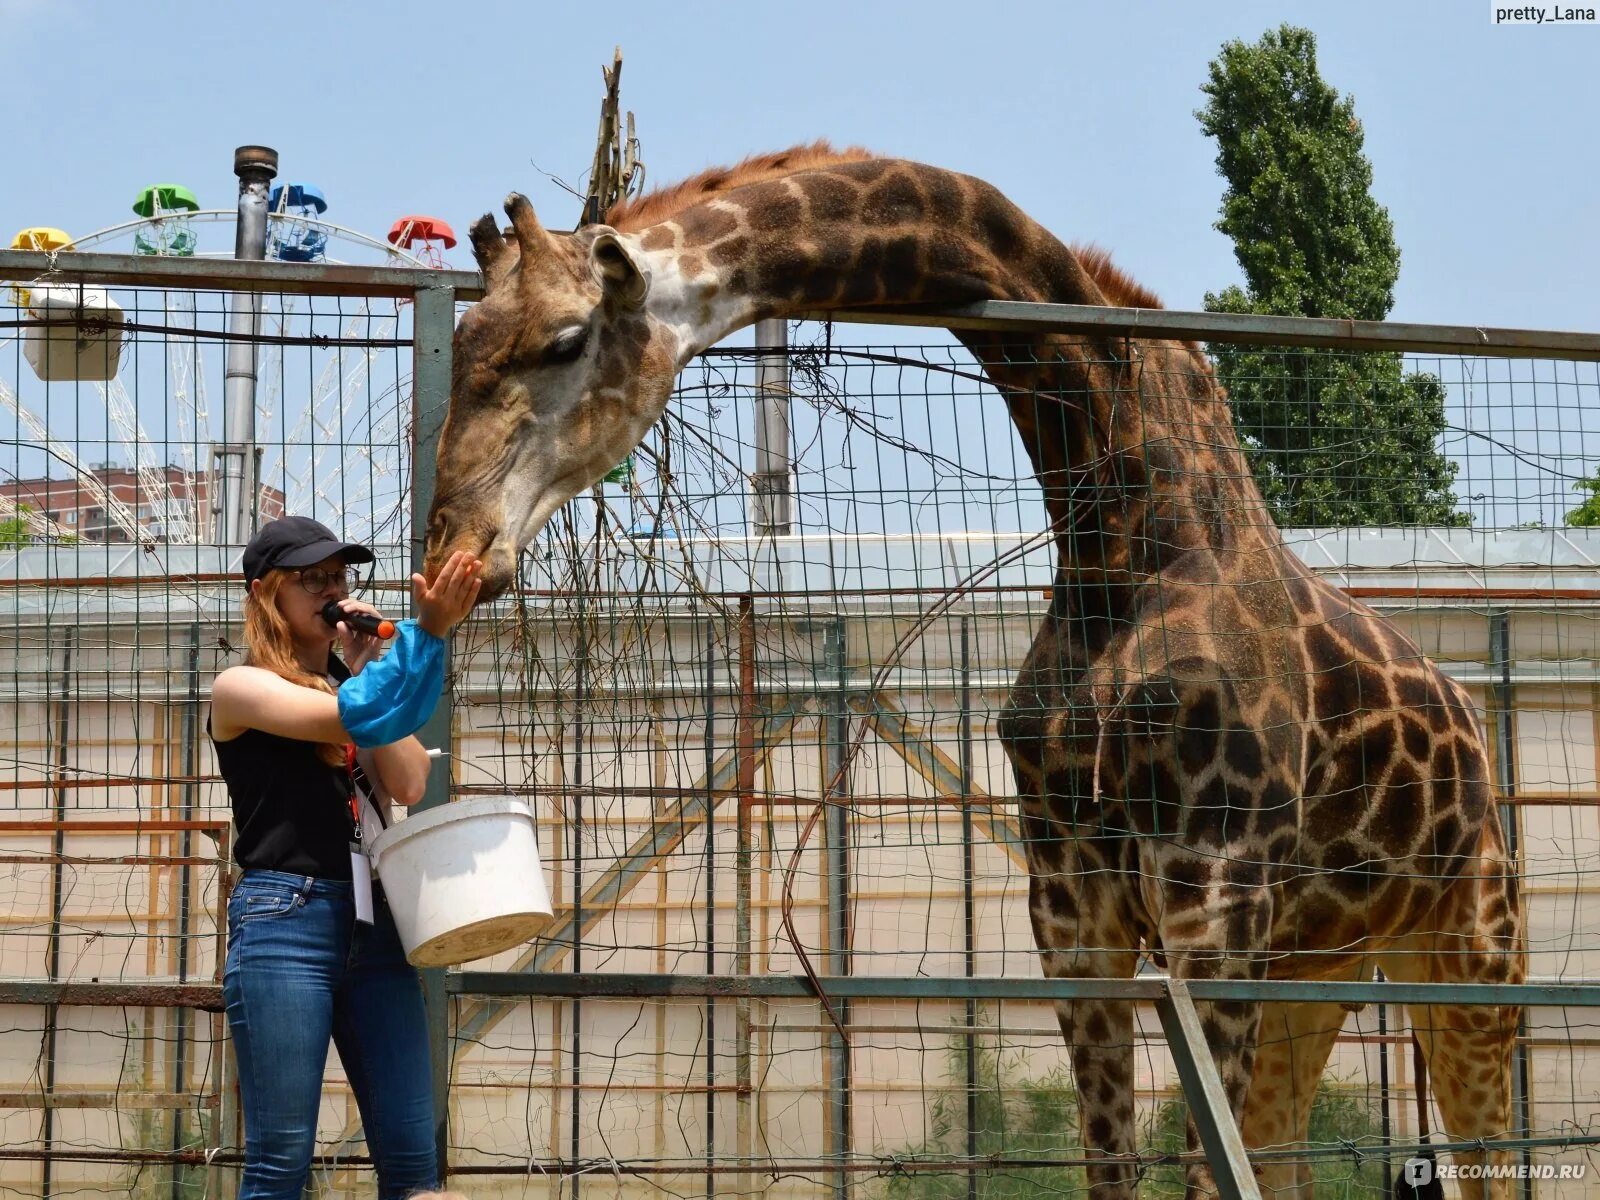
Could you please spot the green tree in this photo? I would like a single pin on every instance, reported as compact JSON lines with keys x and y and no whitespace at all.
{"x":1587,"y":514}
{"x":1333,"y":438}
{"x":14,"y":529}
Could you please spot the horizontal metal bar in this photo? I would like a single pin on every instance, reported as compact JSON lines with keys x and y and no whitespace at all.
{"x":887,"y":1165}
{"x":207,"y":997}
{"x":1377,"y":1151}
{"x":954,"y":1164}
{"x":1140,"y":988}
{"x":1581,"y":994}
{"x":671,"y":605}
{"x":117,"y":860}
{"x":131,"y":825}
{"x":858,"y":987}
{"x":226,"y":274}
{"x":1248,"y":328}
{"x":127,"y":1100}
{"x":212,"y":1157}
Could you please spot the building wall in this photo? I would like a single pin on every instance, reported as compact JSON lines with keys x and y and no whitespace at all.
{"x":75,"y":506}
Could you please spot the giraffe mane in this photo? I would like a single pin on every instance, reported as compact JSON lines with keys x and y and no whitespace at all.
{"x":1121,"y":289}
{"x":640,"y":212}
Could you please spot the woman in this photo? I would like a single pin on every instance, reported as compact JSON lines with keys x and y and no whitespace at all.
{"x":310,"y":955}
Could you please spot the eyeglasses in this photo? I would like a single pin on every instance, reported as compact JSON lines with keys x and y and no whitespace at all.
{"x":316,"y":580}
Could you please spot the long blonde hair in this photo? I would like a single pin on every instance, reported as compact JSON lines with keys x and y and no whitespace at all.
{"x":269,"y":646}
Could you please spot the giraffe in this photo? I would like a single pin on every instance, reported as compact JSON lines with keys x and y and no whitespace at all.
{"x":1221,"y":760}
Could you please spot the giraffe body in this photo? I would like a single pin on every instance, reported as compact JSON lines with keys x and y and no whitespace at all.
{"x":1220,"y":758}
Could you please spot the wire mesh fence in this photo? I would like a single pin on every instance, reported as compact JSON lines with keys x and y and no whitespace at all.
{"x":758,"y":751}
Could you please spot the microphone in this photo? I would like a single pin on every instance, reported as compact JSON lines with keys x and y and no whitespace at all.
{"x":367,"y":623}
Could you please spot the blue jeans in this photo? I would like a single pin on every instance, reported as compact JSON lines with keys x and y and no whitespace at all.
{"x":300,"y":970}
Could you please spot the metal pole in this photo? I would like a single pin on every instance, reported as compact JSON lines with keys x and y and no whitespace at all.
{"x":1383,"y":1097}
{"x":1384,"y":1130}
{"x":771,"y":504}
{"x":969,"y":915}
{"x":191,"y":770}
{"x":434,"y":322}
{"x":233,"y":505}
{"x":1506,"y":778}
{"x":836,"y":827}
{"x":744,"y":864}
{"x":576,"y":793}
{"x":711,"y":906}
{"x":1202,"y":1088}
{"x":52,"y":1011}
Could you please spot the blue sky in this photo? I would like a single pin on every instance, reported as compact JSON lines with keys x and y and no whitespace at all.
{"x":1481,"y":136}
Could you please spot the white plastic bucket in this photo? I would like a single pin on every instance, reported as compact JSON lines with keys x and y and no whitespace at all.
{"x":463,"y":880}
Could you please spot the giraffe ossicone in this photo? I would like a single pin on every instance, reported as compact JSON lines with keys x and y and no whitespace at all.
{"x":1221,"y":759}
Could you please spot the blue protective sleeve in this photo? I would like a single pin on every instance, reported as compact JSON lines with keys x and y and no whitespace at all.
{"x":393,"y":697}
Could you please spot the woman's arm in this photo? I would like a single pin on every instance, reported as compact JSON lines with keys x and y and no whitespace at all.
{"x":402,"y":769}
{"x":255,"y":698}
{"x":252,"y":698}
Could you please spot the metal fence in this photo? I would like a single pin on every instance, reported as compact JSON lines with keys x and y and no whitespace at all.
{"x":792,"y":952}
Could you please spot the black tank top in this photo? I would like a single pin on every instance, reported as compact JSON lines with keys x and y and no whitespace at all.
{"x":291,"y":810}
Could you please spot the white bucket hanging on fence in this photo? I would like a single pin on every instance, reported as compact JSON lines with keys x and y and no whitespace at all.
{"x":463,"y":880}
{"x":90,"y":347}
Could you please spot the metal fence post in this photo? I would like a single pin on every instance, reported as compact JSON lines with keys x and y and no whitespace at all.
{"x":744,"y":864}
{"x":969,"y":948}
{"x":190,"y":757}
{"x":575,"y":815}
{"x":710,"y":701}
{"x":434,"y":317}
{"x":1505,"y":746}
{"x":836,"y":818}
{"x":1202,"y":1087}
{"x":1385,"y":1129}
{"x":65,"y":711}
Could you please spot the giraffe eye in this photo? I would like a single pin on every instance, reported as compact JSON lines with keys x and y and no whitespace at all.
{"x":569,"y":344}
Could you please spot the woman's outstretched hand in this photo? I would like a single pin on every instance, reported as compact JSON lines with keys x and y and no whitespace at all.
{"x":451,"y":595}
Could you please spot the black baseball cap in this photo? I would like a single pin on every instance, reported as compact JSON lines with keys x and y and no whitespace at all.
{"x":297,"y":542}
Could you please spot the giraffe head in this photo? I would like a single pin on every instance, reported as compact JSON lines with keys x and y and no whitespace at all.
{"x":557,"y":374}
{"x":571,"y":355}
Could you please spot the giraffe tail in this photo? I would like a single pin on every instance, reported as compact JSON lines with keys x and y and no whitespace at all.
{"x":1418,"y":1178}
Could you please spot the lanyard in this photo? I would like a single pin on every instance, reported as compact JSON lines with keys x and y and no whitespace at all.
{"x":360,"y":866}
{"x":361,"y":789}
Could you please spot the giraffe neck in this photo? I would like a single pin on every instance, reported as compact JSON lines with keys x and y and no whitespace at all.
{"x":1133,"y":446}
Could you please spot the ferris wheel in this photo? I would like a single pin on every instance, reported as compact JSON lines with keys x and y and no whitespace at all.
{"x":335,"y":444}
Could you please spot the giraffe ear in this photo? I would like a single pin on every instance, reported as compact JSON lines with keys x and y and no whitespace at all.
{"x":488,"y":245}
{"x":619,"y":271}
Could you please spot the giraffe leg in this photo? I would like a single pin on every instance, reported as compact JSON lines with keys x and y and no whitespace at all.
{"x":1469,"y":1048}
{"x":1291,"y":1053}
{"x":1079,"y":938}
{"x":1217,"y":929}
{"x":1468,"y":1051}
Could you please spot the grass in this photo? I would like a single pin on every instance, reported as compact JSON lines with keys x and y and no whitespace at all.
{"x":1021,"y":1117}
